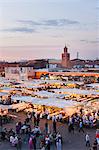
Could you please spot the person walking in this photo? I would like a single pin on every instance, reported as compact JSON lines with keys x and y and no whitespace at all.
{"x":97,"y":136}
{"x":35,"y":121}
{"x":30,"y":144}
{"x":19,"y":144}
{"x":46,"y":127}
{"x":38,"y":119}
{"x":34,"y":142}
{"x":47,"y":142}
{"x":54,"y":126}
{"x":54,"y":123}
{"x":58,"y":142}
{"x":87,"y":139}
{"x":94,"y":146}
{"x":81,"y":126}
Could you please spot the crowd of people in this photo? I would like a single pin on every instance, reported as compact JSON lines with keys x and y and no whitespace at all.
{"x":35,"y":138}
{"x":44,"y":140}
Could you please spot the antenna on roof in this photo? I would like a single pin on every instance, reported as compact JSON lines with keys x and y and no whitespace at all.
{"x":77,"y":55}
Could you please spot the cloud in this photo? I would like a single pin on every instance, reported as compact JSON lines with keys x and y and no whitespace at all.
{"x":90,"y":41}
{"x":84,"y":41}
{"x":29,"y":22}
{"x":30,"y":26}
{"x":50,"y":22}
{"x":60,"y":22}
{"x":94,"y":41}
{"x":19,"y":29}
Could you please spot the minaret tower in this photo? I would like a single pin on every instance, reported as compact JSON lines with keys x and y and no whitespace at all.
{"x":65,"y":58}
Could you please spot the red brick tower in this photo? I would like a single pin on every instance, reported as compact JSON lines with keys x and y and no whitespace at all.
{"x":65,"y":58}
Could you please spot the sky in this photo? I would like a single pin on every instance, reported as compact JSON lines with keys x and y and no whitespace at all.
{"x":36,"y":29}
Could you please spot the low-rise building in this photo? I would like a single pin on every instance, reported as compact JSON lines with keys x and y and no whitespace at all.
{"x":19,"y":73}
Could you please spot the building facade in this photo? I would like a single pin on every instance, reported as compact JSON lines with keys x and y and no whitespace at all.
{"x":19,"y":73}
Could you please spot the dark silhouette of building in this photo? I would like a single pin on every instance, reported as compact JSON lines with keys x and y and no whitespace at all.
{"x":80,"y":63}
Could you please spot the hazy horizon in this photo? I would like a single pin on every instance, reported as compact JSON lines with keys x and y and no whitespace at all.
{"x":39,"y":29}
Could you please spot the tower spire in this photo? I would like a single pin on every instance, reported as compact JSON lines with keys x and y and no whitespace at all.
{"x":65,"y":48}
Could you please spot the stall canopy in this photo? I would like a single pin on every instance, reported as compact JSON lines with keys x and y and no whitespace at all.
{"x":94,"y":85}
{"x":3,"y":93}
{"x":44,"y":94}
{"x":77,"y":91}
{"x":6,"y":89}
{"x":3,"y":107}
{"x":60,"y":103}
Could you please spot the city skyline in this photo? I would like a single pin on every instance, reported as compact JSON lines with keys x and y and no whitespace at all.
{"x":37,"y":29}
